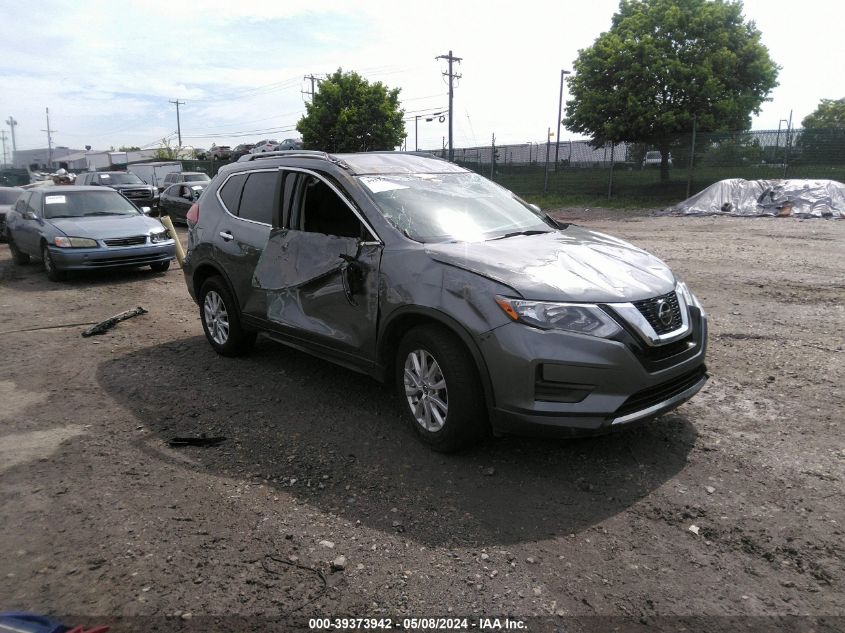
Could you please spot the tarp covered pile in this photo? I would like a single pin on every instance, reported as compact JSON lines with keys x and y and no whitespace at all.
{"x":782,"y":198}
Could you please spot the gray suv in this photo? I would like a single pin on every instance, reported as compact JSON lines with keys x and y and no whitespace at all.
{"x":483,"y":311}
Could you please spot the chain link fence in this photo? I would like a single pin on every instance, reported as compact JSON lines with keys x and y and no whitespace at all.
{"x":632,"y":171}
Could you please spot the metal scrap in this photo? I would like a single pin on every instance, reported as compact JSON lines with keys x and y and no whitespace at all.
{"x":104,"y":326}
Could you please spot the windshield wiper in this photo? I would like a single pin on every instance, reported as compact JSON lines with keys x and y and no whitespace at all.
{"x":515,"y":233}
{"x":104,"y":213}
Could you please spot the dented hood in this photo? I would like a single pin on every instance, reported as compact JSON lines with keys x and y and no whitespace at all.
{"x":107,"y":226}
{"x":573,"y":264}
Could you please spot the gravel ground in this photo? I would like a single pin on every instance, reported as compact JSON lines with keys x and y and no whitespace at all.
{"x":730,"y":506}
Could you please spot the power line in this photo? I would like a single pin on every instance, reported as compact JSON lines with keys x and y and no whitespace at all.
{"x":314,"y":80}
{"x":49,"y":140}
{"x":12,"y":123}
{"x":452,"y":76}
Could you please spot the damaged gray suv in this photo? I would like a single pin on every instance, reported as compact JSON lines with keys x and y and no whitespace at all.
{"x":483,"y":311}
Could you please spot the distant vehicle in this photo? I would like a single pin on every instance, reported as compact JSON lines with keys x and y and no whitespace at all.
{"x":220,"y":152}
{"x":267,"y":145}
{"x":184,"y":176}
{"x":155,"y":173}
{"x":653,"y":159}
{"x":83,"y":228}
{"x":200,"y":153}
{"x":242,"y":150}
{"x":128,"y":184}
{"x":8,"y":197}
{"x":176,"y":200}
{"x":290,"y":143}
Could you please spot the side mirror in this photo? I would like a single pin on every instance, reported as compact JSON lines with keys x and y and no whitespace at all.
{"x":29,"y":215}
{"x":146,"y":210}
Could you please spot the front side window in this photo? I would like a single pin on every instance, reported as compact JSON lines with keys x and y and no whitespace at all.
{"x":86,"y":204}
{"x":321,"y":210}
{"x":455,"y":207}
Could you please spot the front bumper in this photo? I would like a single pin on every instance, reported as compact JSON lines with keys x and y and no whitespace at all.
{"x":549,"y":382}
{"x":112,"y":257}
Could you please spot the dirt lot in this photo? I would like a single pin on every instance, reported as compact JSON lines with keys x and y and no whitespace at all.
{"x":100,"y":518}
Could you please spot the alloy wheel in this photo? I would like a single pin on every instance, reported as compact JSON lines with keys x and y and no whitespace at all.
{"x":425,"y":390}
{"x":216,"y":317}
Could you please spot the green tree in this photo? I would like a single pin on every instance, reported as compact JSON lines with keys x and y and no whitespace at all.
{"x":822,"y":141}
{"x":129,"y":148}
{"x":663,"y":62}
{"x":348,"y":114}
{"x":165,"y":151}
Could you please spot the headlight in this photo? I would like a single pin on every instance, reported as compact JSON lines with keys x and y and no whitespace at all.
{"x":158,"y":237}
{"x":682,"y":289}
{"x":74,"y":242}
{"x":582,"y":318}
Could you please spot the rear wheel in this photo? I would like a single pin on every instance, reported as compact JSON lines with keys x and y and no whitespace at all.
{"x":160,"y":267}
{"x":438,"y":383}
{"x":18,"y":255}
{"x":53,"y":273}
{"x":221,"y":319}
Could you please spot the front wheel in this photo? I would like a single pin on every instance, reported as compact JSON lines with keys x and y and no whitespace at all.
{"x":438,"y":383}
{"x":221,"y":319}
{"x":53,"y":273}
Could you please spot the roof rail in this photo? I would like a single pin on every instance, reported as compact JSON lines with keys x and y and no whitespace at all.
{"x":285,"y":152}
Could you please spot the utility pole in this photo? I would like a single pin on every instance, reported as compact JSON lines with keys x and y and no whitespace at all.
{"x":559,"y":114}
{"x":3,"y":137}
{"x":49,"y":141}
{"x":314,"y":80}
{"x":452,"y":76}
{"x":178,"y":122}
{"x":12,"y":123}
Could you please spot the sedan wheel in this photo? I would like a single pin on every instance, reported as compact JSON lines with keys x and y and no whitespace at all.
{"x":53,"y":273}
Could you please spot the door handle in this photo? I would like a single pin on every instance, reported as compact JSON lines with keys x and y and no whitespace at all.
{"x":227,"y":236}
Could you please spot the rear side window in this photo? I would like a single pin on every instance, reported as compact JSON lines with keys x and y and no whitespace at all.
{"x":259,"y":197}
{"x":230,"y":193}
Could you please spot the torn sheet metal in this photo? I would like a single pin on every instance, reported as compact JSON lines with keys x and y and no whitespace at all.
{"x":781,"y":198}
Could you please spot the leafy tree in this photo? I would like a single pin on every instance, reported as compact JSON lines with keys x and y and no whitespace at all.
{"x":129,"y":148}
{"x":823,"y":137}
{"x":348,"y":114}
{"x":165,"y":151}
{"x":663,"y":62}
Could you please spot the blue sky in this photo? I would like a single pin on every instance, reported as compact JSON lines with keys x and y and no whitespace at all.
{"x":107,"y":70}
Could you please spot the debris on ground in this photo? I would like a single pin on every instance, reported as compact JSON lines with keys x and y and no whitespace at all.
{"x":202,"y":440}
{"x":104,"y":326}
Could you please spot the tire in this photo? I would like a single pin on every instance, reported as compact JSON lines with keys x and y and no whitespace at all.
{"x":445,"y":418}
{"x":160,"y":267}
{"x":53,"y":273}
{"x":221,"y":319}
{"x":19,"y":256}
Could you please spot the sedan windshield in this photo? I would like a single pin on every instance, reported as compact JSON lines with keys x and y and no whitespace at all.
{"x":462,"y":207}
{"x":196,"y":178}
{"x":120,"y":179}
{"x":86,"y":204}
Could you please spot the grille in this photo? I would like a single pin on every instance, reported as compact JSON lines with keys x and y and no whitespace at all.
{"x":136,"y":260}
{"x":136,"y":193}
{"x":659,"y":393}
{"x":127,"y":241}
{"x":649,"y":309}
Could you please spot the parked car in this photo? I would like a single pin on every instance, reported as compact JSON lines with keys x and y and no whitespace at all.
{"x":83,"y":228}
{"x":220,"y":152}
{"x":177,"y":199}
{"x":200,"y":153}
{"x":184,"y":176}
{"x":128,"y":184}
{"x":8,"y":196}
{"x":155,"y":173}
{"x":241,"y":150}
{"x":481,"y":310}
{"x":654,"y":158}
{"x":265,"y":145}
{"x":290,"y":143}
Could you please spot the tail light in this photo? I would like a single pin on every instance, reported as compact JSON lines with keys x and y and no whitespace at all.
{"x":193,"y":215}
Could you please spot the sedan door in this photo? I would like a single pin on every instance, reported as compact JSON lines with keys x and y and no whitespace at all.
{"x":30,"y":224}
